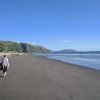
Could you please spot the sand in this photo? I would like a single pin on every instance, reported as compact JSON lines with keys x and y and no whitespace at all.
{"x":37,"y":78}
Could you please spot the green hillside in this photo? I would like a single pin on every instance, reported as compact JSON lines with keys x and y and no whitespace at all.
{"x":9,"y":46}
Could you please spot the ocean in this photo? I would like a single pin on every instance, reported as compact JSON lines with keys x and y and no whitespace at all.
{"x":87,"y":60}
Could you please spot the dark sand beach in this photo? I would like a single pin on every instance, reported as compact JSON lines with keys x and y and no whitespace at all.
{"x":37,"y":78}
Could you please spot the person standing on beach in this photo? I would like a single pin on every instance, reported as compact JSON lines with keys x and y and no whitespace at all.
{"x":5,"y":65}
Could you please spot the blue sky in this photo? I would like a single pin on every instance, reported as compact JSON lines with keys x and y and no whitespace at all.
{"x":55,"y":24}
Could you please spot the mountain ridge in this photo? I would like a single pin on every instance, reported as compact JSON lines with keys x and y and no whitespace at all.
{"x":71,"y":51}
{"x":11,"y":46}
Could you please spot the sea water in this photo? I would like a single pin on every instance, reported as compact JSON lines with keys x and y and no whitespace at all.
{"x":87,"y":60}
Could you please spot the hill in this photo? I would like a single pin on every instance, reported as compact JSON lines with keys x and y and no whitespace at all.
{"x":66,"y":51}
{"x":9,"y":46}
{"x":70,"y":51}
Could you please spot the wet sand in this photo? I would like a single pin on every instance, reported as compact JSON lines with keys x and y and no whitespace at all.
{"x":37,"y":78}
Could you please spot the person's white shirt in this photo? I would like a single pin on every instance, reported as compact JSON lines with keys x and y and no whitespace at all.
{"x":5,"y":62}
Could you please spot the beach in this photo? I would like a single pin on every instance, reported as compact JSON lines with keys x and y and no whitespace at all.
{"x":38,"y":78}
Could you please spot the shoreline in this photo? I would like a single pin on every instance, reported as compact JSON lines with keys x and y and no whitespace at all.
{"x":20,"y":54}
{"x":76,"y":65}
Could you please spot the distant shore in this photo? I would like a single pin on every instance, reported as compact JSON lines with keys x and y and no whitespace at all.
{"x":9,"y":54}
{"x":37,"y":78}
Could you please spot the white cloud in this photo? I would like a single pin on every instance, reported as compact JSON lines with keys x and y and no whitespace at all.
{"x":65,"y":41}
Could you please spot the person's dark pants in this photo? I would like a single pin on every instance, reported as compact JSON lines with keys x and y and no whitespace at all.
{"x":1,"y":67}
{"x":4,"y":69}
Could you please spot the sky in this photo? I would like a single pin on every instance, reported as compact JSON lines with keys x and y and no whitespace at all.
{"x":54,"y":24}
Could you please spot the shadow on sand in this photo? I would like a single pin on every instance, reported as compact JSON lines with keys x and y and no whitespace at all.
{"x":1,"y":76}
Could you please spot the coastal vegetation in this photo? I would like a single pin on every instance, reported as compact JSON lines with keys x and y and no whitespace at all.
{"x":9,"y":46}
